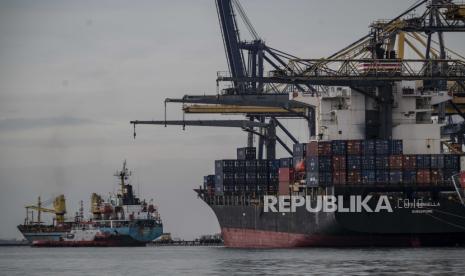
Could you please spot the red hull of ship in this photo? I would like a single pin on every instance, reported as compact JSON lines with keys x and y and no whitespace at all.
{"x":250,"y":238}
{"x":107,"y":243}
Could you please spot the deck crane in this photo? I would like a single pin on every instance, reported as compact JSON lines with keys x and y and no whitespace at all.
{"x":59,"y":209}
{"x":369,"y":66}
{"x":268,"y":135}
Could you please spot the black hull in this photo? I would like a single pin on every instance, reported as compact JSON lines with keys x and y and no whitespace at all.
{"x":250,"y":226}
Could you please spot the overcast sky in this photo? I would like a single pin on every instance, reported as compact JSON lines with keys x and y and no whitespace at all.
{"x":74,"y":73}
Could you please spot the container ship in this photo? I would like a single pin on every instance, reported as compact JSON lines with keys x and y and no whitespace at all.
{"x":384,"y":139}
{"x":121,"y":220}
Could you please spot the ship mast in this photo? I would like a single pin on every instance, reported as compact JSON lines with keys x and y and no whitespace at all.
{"x":122,"y":175}
{"x":126,"y":195}
{"x":39,"y":205}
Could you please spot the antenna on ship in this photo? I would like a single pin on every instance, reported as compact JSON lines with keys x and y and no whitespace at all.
{"x":81,"y":210}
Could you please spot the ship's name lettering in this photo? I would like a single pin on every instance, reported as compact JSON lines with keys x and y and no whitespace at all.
{"x":327,"y":203}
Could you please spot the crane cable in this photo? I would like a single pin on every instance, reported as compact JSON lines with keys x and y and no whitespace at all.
{"x":246,"y":20}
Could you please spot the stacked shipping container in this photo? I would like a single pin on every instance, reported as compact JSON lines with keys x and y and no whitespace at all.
{"x":355,"y":162}
{"x":245,"y":174}
{"x":327,"y":163}
{"x":319,"y":164}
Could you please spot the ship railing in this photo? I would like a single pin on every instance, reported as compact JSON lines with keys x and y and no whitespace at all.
{"x":458,"y":188}
{"x":256,"y":199}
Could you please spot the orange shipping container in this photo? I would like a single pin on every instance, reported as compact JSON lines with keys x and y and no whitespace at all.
{"x":409,"y":162}
{"x":339,"y":178}
{"x":339,"y":163}
{"x":437,"y":176}
{"x":354,"y":177}
{"x":354,"y":147}
{"x":395,"y":162}
{"x":423,"y":177}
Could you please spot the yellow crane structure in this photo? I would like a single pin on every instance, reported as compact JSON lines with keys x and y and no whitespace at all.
{"x":59,"y":209}
{"x":235,"y":109}
{"x":96,"y":202}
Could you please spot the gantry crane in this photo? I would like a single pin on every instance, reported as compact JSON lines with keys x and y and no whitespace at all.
{"x":368,"y":66}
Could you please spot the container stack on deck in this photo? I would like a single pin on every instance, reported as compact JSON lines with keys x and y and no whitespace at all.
{"x":245,"y":174}
{"x":358,"y":162}
{"x":331,"y":163}
{"x":319,"y":160}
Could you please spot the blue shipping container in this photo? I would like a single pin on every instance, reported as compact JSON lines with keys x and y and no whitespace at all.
{"x":286,"y":162}
{"x":312,"y":179}
{"x":312,"y":164}
{"x":409,"y":177}
{"x":368,"y":147}
{"x":368,"y":162}
{"x":395,"y":147}
{"x":395,"y":177}
{"x":448,"y":173}
{"x":423,"y":161}
{"x":339,"y":147}
{"x":368,"y":176}
{"x":354,"y":162}
{"x":321,"y":179}
{"x":451,"y":161}
{"x":324,"y":163}
{"x":437,"y":161}
{"x":382,"y":177}
{"x":273,"y":164}
{"x":224,"y":166}
{"x":300,"y":150}
{"x":382,"y":162}
{"x":382,"y":147}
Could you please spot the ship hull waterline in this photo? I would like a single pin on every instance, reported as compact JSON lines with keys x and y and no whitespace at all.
{"x":250,"y":227}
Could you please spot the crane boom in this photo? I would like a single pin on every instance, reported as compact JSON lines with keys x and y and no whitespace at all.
{"x":231,"y":38}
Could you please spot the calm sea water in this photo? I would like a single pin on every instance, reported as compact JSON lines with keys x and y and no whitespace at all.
{"x":224,"y":261}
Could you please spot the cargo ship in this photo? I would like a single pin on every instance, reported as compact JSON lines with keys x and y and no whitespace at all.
{"x":383,"y":145}
{"x":121,"y":220}
{"x":34,"y":229}
{"x":413,"y":172}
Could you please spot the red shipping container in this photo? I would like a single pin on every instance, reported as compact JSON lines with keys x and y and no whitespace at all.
{"x":437,"y":177}
{"x":286,"y":174}
{"x":284,"y":187}
{"x":354,"y":147}
{"x":210,"y":190}
{"x":395,"y":162}
{"x":312,"y":148}
{"x":423,"y":177}
{"x":339,"y":178}
{"x":319,"y":148}
{"x":339,"y":163}
{"x":354,"y":177}
{"x":462,"y":179}
{"x":409,"y":162}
